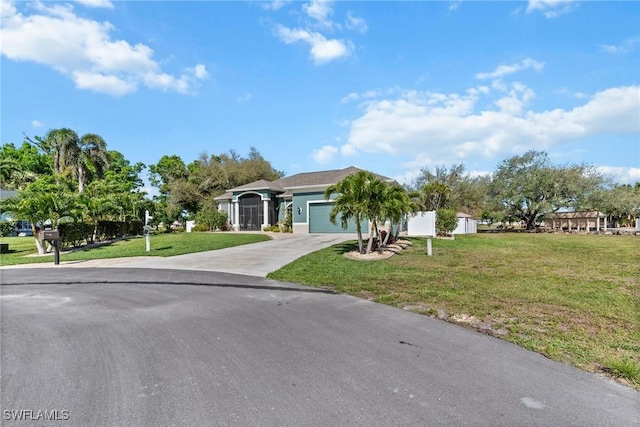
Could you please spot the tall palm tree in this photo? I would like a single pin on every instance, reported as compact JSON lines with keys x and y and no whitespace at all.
{"x":62,"y":145}
{"x":351,"y":201}
{"x":92,"y":155}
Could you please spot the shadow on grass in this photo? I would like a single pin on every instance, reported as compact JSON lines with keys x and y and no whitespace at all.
{"x":343,"y":248}
{"x":163,"y":248}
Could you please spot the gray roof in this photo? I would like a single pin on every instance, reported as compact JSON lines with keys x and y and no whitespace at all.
{"x":306,"y":179}
{"x":260,"y":185}
{"x":300,"y":180}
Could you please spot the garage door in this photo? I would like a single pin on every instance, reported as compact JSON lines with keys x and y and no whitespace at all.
{"x":319,"y":220}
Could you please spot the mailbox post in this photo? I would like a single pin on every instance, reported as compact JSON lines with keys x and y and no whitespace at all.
{"x":53,"y":237}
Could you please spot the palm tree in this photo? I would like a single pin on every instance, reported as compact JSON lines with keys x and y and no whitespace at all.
{"x":92,"y":155}
{"x":351,"y":201}
{"x":397,"y":204}
{"x":62,"y":145}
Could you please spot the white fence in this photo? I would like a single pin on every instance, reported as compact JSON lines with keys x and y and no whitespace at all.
{"x":422,"y":224}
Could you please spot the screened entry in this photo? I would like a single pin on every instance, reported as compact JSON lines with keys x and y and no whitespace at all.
{"x":251,"y":212}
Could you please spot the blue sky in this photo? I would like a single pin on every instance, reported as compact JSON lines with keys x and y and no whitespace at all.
{"x":391,"y":87}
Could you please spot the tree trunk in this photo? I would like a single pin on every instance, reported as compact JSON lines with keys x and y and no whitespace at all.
{"x":360,"y":245}
{"x":39,"y":243}
{"x":374,"y":227}
{"x":80,"y":179}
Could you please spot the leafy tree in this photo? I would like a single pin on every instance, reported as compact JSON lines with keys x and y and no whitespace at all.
{"x":21,"y":166}
{"x":434,"y":196}
{"x":188,"y":188}
{"x":621,"y":203}
{"x":42,"y":201}
{"x":453,"y":188}
{"x":529,"y":186}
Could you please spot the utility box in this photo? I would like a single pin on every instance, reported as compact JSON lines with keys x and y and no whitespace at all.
{"x":49,"y":235}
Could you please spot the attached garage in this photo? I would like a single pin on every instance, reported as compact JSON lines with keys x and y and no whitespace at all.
{"x":319,"y":220}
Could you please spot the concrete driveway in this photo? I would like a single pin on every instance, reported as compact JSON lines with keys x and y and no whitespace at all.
{"x":255,"y":259}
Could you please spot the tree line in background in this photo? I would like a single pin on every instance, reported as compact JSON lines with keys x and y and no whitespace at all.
{"x":66,"y":177}
{"x":526,"y":188}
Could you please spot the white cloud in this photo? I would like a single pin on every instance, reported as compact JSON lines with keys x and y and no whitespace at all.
{"x":96,"y":3}
{"x":551,"y":8}
{"x":625,"y":47}
{"x":36,"y":123}
{"x":355,"y":23}
{"x":506,"y":69}
{"x":450,"y":127}
{"x":454,"y":5}
{"x":323,"y":50}
{"x":621,"y":175}
{"x":320,"y":11}
{"x":325,"y":154}
{"x":84,"y":50}
{"x":272,"y":5}
{"x":244,"y":97}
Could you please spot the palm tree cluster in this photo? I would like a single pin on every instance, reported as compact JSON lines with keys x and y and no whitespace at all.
{"x":363,"y":196}
{"x":71,"y":179}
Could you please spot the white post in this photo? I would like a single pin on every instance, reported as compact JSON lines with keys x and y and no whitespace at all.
{"x":265,"y":213}
{"x":147,"y":230}
{"x":236,"y":215}
{"x":429,"y":251}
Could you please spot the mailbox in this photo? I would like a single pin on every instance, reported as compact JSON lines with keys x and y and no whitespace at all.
{"x":49,"y":235}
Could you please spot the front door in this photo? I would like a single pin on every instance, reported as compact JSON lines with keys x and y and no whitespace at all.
{"x":250,"y":212}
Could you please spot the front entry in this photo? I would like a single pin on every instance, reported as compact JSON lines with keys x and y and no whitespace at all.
{"x":251,"y":212}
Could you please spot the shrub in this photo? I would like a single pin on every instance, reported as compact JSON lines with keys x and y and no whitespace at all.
{"x":74,"y":234}
{"x":7,"y":228}
{"x":200,"y":228}
{"x":446,"y":220}
{"x":213,"y":219}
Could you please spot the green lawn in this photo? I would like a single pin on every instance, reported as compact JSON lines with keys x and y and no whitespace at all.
{"x":573,"y":298}
{"x":161,"y":245}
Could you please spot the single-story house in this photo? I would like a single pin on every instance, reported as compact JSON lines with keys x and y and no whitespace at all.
{"x":263,"y":203}
{"x":583,"y":220}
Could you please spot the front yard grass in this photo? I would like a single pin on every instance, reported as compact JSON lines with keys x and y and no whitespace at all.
{"x":572,"y":298}
{"x":161,"y":245}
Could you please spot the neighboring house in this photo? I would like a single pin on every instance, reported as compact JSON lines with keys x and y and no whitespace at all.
{"x":584,"y":220}
{"x":23,"y":227}
{"x":263,"y":203}
{"x":466,"y":224}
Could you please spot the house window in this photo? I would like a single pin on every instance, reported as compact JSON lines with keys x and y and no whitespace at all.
{"x":251,"y":212}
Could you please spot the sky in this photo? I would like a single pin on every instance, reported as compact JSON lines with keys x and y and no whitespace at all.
{"x":388,"y":86}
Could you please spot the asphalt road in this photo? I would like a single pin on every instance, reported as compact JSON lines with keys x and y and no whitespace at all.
{"x":135,"y":347}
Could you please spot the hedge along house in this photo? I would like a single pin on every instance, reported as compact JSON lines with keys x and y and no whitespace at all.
{"x":263,"y":203}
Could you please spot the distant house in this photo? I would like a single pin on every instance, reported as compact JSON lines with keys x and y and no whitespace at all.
{"x":466,"y":224}
{"x":22,"y":227}
{"x":263,"y":203}
{"x":583,"y":220}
